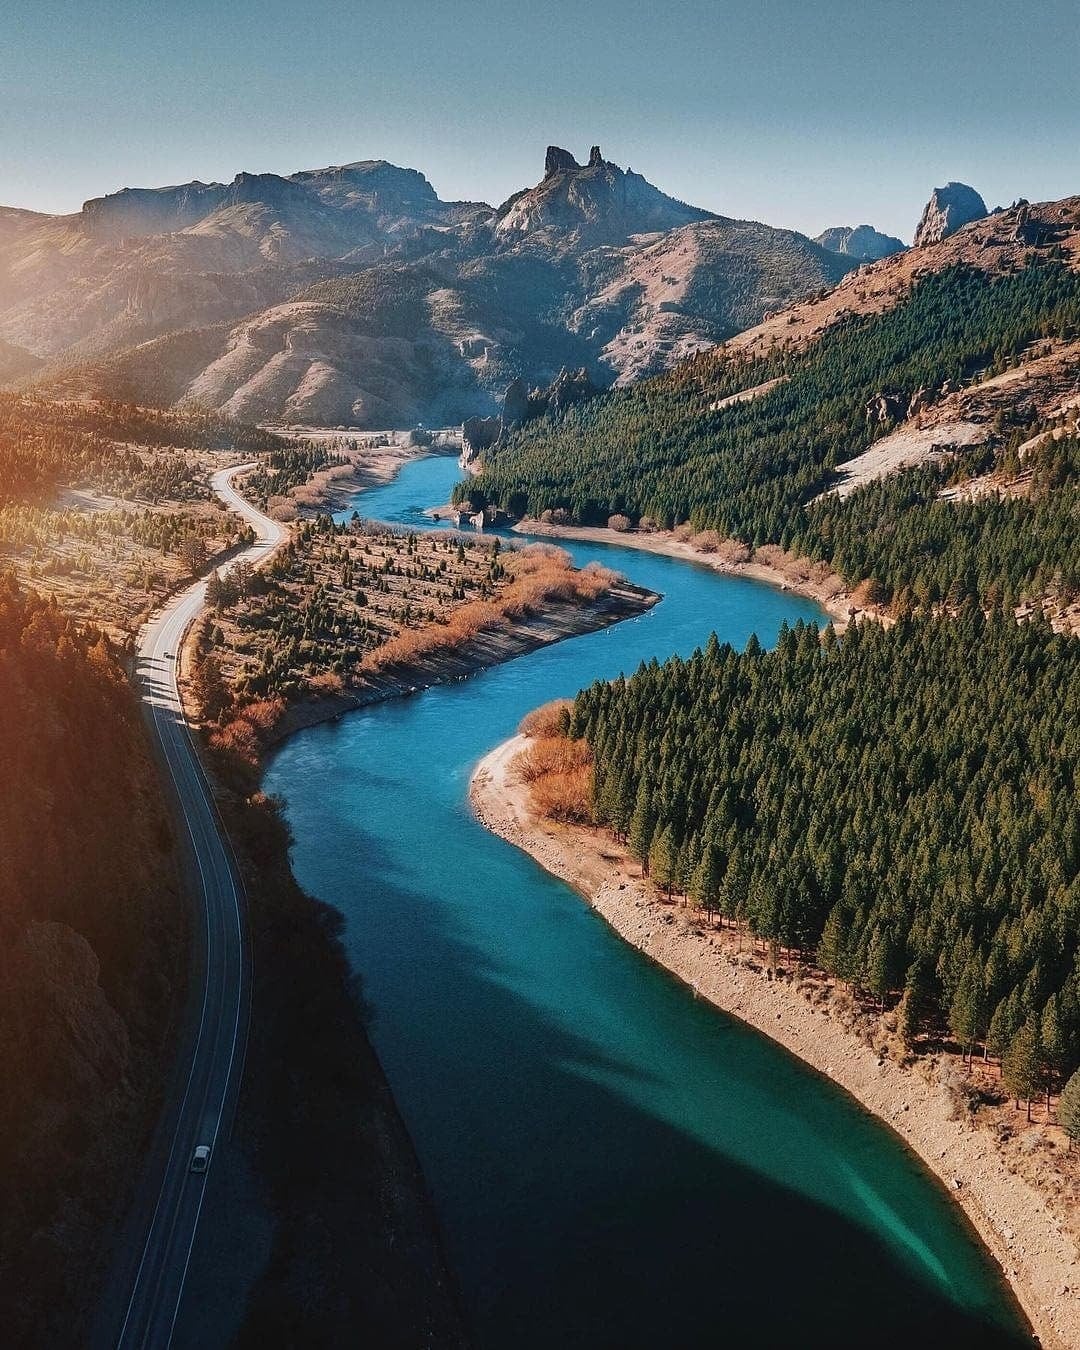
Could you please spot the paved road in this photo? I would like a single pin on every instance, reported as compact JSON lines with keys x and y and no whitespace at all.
{"x":155,"y":1262}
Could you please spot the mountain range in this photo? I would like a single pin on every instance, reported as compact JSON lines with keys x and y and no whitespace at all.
{"x":353,"y":295}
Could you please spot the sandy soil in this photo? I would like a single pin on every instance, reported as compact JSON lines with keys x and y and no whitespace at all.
{"x":1027,"y":1238}
{"x":802,"y":577}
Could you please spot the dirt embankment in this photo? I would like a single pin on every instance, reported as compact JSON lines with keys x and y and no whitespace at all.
{"x":444,"y":665}
{"x":1018,"y":1224}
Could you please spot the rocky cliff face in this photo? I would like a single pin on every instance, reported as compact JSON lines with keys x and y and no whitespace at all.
{"x":597,"y":201}
{"x":948,"y":210}
{"x":859,"y":241}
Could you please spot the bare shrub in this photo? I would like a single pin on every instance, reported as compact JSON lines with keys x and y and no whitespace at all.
{"x":868,"y":592}
{"x":619,"y":523}
{"x":564,"y":796}
{"x":734,"y":551}
{"x":708,"y":541}
{"x":546,"y":720}
{"x":546,"y":755}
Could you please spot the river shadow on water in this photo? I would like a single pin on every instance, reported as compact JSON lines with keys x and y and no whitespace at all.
{"x":615,"y":1163}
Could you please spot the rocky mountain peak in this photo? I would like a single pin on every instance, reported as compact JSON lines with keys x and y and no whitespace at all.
{"x":859,"y":241}
{"x":948,"y":210}
{"x":558,"y":160}
{"x":597,"y":202}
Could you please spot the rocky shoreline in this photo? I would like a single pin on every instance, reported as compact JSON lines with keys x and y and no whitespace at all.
{"x":1039,"y":1259}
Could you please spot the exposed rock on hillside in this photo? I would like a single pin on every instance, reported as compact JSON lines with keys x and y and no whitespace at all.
{"x":597,"y":201}
{"x":859,"y":241}
{"x":948,"y":210}
{"x":521,"y":405}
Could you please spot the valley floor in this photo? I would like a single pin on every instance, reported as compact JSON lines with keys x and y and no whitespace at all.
{"x":1017,"y":1222}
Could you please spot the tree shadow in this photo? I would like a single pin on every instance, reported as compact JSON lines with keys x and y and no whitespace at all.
{"x":577,"y":1215}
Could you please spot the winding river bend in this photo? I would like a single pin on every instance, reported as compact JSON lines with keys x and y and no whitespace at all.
{"x":615,"y":1164}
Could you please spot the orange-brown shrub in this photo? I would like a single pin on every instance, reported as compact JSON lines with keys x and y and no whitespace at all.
{"x":564,"y":796}
{"x":708,"y":541}
{"x":541,"y":574}
{"x":547,"y":719}
{"x":329,"y":682}
{"x":546,"y":755}
{"x":734,"y":551}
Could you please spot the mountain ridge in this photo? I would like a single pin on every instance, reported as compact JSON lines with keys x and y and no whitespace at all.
{"x":353,"y":295}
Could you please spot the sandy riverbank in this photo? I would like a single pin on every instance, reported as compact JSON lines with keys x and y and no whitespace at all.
{"x":801,"y":577}
{"x":1016,"y":1222}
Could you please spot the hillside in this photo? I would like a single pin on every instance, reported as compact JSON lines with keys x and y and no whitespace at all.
{"x":91,"y":946}
{"x":957,"y":360}
{"x":354,"y":295}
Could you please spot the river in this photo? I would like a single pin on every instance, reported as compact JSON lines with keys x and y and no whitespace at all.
{"x":615,"y":1163}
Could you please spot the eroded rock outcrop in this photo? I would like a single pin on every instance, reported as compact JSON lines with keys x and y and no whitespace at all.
{"x":859,"y":241}
{"x":597,"y":201}
{"x":949,"y":209}
{"x":521,"y":404}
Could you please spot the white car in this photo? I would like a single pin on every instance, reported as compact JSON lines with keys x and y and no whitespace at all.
{"x":200,"y":1159}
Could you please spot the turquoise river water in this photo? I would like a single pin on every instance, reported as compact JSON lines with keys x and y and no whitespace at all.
{"x":614,"y":1162}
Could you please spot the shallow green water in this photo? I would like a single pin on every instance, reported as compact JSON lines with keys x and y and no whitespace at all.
{"x":615,"y":1163}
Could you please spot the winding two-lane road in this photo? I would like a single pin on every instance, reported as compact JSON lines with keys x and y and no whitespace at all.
{"x":156,"y":1254}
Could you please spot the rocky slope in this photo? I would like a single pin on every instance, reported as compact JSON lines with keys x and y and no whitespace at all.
{"x":597,"y":202}
{"x":354,"y":295}
{"x":1001,"y":242}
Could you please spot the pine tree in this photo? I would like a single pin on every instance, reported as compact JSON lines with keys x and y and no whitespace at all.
{"x":912,"y":1006}
{"x":642,"y":826}
{"x":1022,"y":1067}
{"x":1054,"y":1045}
{"x":1069,"y":1108}
{"x":209,"y":687}
{"x":967,"y":1010}
{"x":663,"y":859}
{"x":830,"y":952}
{"x":705,"y":882}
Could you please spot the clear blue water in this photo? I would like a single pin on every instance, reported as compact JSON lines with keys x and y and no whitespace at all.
{"x":615,"y":1163}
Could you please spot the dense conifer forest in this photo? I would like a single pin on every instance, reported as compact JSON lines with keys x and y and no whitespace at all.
{"x":661,"y":451}
{"x":90,"y":944}
{"x":898,"y":804}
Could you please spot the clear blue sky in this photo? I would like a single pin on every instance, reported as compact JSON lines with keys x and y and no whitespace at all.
{"x":798,"y":112}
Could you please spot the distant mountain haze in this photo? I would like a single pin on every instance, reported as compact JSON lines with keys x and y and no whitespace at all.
{"x":353,"y":295}
{"x":859,"y":241}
